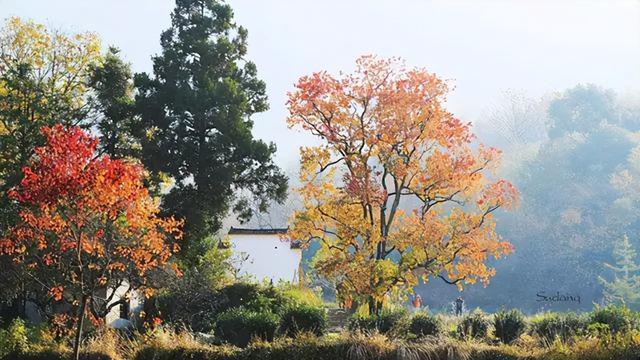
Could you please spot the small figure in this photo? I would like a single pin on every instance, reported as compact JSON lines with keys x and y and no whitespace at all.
{"x":417,"y":302}
{"x":459,"y":305}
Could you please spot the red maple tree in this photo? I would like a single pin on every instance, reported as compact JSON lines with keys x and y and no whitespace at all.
{"x":88,"y":225}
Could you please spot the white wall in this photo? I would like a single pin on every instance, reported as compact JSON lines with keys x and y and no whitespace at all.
{"x":266,"y":256}
{"x":136,"y":301}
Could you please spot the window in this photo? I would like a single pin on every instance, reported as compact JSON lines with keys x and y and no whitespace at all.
{"x":125,"y":307}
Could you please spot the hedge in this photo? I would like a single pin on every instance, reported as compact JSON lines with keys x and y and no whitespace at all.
{"x":56,"y":355}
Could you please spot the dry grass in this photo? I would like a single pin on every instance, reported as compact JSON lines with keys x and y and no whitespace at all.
{"x":368,"y":346}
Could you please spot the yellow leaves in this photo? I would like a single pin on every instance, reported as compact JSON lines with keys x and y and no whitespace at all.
{"x":388,"y":142}
{"x":60,"y":62}
{"x":3,"y":89}
{"x":148,"y":292}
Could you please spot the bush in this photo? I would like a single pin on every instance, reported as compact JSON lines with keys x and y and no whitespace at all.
{"x":509,"y":325}
{"x":55,"y":355}
{"x":14,"y":339}
{"x":197,"y":306}
{"x":473,"y":325}
{"x":618,"y":318}
{"x":563,"y":326}
{"x":238,"y":326}
{"x":254,"y":297}
{"x":299,"y":296}
{"x":425,"y":324}
{"x":303,"y":319}
{"x":383,"y":323}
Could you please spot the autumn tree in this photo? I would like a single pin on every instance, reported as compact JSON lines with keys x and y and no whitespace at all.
{"x":88,"y":225}
{"x":196,"y":122}
{"x":43,"y":81}
{"x":397,"y":192}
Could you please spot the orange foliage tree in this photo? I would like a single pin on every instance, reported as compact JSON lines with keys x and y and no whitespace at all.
{"x":88,"y":225}
{"x":397,"y":191}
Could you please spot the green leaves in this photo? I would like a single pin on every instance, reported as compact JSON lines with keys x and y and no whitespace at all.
{"x":198,"y":105}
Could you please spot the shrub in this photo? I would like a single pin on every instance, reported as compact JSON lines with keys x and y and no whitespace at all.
{"x":15,"y":338}
{"x":303,"y":319}
{"x":618,"y":318}
{"x":197,"y":306}
{"x":254,"y":297}
{"x":563,"y":326}
{"x":425,"y":324}
{"x":55,"y":355}
{"x":509,"y":325}
{"x":238,"y":326}
{"x":383,"y":323}
{"x":473,"y":325}
{"x":186,"y":303}
{"x":301,"y":295}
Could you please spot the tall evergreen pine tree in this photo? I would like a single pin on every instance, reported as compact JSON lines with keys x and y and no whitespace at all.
{"x":195,"y":123}
{"x":625,"y":286}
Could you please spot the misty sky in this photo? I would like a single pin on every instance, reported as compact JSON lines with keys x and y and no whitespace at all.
{"x":484,"y":47}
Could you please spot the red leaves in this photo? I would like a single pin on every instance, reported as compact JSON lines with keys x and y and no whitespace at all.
{"x":83,"y":213}
{"x":56,"y":292}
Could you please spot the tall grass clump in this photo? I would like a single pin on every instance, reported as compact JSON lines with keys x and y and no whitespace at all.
{"x":617,"y":318}
{"x":562,"y":326}
{"x":425,"y":324}
{"x":474,"y":325}
{"x":239,"y":326}
{"x":304,"y":318}
{"x":509,"y":325}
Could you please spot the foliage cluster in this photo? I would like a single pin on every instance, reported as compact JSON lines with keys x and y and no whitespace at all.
{"x":425,"y":324}
{"x":384,"y":322}
{"x":474,"y":325}
{"x":509,"y":325}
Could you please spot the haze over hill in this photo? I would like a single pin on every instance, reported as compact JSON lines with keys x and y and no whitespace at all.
{"x":569,"y":126}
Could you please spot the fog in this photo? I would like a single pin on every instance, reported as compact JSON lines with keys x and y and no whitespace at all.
{"x":554,"y":84}
{"x":485,"y":48}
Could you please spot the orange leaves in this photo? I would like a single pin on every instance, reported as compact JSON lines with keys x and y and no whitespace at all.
{"x":500,"y":193}
{"x":85,"y":215}
{"x":389,"y":143}
{"x":56,"y":292}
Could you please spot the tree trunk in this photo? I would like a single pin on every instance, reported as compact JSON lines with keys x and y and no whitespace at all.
{"x":76,"y":345}
{"x":374,"y":306}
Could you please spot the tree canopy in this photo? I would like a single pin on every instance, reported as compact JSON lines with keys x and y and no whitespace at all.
{"x":195,"y":122}
{"x":87,"y":224}
{"x":389,"y":141}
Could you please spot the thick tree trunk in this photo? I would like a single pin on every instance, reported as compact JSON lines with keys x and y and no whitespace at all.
{"x":76,"y":345}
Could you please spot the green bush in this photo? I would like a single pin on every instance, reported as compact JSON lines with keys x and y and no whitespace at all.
{"x":618,"y":318}
{"x":425,"y":324}
{"x":509,"y":325}
{"x":255,"y":297}
{"x":238,"y":326}
{"x":15,"y":338}
{"x":563,"y":326}
{"x":197,"y":306}
{"x":299,"y":296}
{"x":473,"y":325}
{"x":303,"y":319}
{"x":383,"y":323}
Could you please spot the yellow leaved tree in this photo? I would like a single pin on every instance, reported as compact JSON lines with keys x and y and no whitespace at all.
{"x":397,"y":191}
{"x":43,"y":81}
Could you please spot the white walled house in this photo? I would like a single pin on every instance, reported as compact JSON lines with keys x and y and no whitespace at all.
{"x":263,"y":255}
{"x":125,"y":315}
